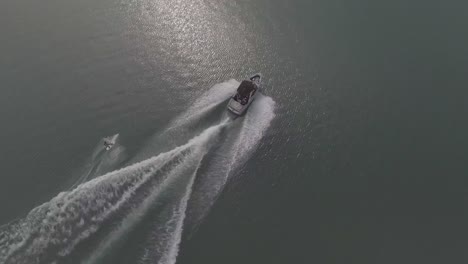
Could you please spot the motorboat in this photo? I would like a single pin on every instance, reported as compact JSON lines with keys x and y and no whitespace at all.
{"x":109,"y":142}
{"x":245,"y":94}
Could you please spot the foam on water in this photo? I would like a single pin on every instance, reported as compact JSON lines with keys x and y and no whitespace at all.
{"x":193,"y":120}
{"x":55,"y":228}
{"x":167,"y":237}
{"x":243,"y":137}
{"x":73,"y":216}
{"x":199,"y":146}
{"x":209,"y":100}
{"x":230,"y":156}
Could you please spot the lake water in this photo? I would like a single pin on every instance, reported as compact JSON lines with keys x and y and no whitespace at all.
{"x":355,"y":152}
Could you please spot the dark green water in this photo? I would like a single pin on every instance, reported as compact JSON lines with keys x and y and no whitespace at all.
{"x":364,"y":160}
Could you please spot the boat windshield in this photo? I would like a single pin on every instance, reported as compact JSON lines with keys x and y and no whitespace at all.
{"x":244,"y":91}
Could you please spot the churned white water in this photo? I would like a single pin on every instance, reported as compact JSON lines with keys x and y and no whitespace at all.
{"x":54,"y":229}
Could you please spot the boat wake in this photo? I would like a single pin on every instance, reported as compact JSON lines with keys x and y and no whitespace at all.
{"x":169,"y":188}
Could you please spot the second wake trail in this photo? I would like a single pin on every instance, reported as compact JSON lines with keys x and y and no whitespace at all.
{"x":51,"y":231}
{"x":193,"y":202}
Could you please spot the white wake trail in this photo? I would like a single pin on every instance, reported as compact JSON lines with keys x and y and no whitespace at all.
{"x":234,"y":152}
{"x":167,"y":247}
{"x":243,"y":137}
{"x":206,"y":102}
{"x":189,"y":164}
{"x":53,"y":229}
{"x":190,"y":177}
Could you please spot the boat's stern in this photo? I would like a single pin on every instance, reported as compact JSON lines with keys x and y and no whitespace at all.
{"x":235,"y":107}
